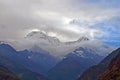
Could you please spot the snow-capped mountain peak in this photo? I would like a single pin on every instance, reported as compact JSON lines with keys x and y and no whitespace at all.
{"x":41,"y":37}
{"x":36,"y":34}
{"x":57,"y":48}
{"x":83,"y":39}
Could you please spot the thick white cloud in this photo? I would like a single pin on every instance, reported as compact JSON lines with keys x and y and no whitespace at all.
{"x":18,"y":17}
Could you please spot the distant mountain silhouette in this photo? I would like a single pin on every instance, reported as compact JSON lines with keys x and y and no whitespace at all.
{"x":10,"y":59}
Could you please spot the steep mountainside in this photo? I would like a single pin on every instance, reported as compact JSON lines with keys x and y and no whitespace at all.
{"x":74,"y":64}
{"x":93,"y":72}
{"x":113,"y":70}
{"x":41,"y":61}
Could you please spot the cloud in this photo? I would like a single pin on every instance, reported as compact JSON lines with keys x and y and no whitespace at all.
{"x":18,"y":17}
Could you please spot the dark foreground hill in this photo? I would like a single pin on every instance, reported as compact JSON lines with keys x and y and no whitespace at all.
{"x":94,"y":72}
{"x":113,"y":70}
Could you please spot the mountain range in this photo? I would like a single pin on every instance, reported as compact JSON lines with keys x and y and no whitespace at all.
{"x":55,"y":47}
{"x":42,"y":57}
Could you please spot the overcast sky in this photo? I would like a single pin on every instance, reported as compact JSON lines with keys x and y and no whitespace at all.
{"x":65,"y":19}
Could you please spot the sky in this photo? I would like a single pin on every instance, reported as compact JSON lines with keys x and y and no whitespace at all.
{"x":67,"y":20}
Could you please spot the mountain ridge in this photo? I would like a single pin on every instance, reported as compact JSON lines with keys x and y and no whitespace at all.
{"x":55,"y":47}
